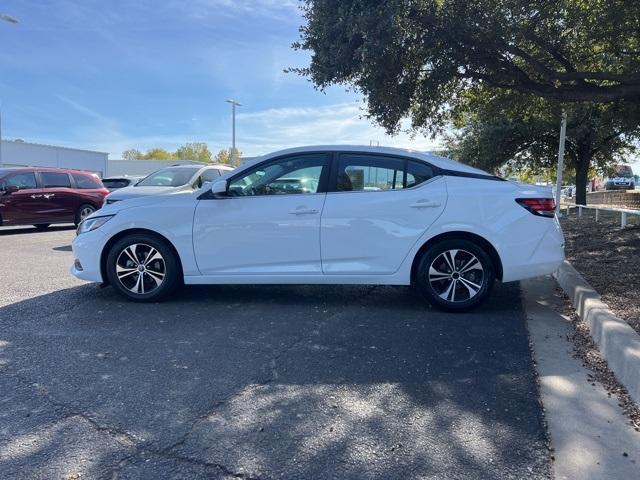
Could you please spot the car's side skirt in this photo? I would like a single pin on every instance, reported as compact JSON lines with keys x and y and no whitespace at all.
{"x":297,"y":279}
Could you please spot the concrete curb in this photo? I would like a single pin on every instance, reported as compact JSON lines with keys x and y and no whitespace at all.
{"x":618,"y":343}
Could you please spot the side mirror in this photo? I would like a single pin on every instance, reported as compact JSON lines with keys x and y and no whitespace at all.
{"x":11,"y":189}
{"x":219,"y":188}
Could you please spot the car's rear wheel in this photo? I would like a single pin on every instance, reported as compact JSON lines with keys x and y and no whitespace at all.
{"x":83,"y":212}
{"x":455,"y":275}
{"x":143,"y":268}
{"x":42,"y":226}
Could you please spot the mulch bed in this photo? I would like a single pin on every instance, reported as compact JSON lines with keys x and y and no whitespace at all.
{"x":609,"y":259}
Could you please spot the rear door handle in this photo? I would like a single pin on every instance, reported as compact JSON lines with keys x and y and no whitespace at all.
{"x":425,"y":204}
{"x":49,"y":195}
{"x":303,"y":211}
{"x":35,"y":196}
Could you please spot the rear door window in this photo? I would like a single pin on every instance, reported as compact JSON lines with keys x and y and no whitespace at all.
{"x":86,"y":181}
{"x":369,"y":173}
{"x":54,"y":180}
{"x":23,"y":181}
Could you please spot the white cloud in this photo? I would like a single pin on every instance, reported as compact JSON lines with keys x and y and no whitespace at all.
{"x":342,"y":123}
{"x":258,"y":132}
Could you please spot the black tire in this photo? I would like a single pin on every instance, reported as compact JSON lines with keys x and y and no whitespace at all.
{"x":151,"y":290}
{"x":42,"y":226}
{"x":442,"y":292}
{"x":83,"y":212}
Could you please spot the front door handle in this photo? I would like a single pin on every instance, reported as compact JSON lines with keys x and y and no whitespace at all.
{"x":34,"y":196}
{"x":425,"y":204}
{"x":303,"y":211}
{"x":49,"y":195}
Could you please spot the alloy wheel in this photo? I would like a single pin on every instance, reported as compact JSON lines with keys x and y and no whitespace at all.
{"x":85,"y":212}
{"x":140,"y":268}
{"x":456,"y":275}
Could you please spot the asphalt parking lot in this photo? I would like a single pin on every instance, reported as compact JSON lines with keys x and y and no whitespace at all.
{"x":256,"y":381}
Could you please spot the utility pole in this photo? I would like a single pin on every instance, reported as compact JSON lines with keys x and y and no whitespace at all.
{"x":10,"y":19}
{"x":563,"y":132}
{"x":234,"y":104}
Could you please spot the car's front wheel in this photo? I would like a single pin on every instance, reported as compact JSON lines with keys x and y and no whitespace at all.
{"x":143,"y":268}
{"x":455,"y":275}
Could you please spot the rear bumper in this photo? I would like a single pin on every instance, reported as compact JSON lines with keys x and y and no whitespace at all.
{"x":545,"y":258}
{"x":87,"y":249}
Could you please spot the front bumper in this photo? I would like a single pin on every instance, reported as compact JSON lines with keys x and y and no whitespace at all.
{"x":87,"y":250}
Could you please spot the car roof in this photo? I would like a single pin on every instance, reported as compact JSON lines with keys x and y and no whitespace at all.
{"x":5,"y":170}
{"x":436,"y":160}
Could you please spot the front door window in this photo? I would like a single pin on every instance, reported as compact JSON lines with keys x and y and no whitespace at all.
{"x":286,"y":176}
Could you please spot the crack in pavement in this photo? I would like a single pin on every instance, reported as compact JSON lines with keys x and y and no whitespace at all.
{"x":137,"y":446}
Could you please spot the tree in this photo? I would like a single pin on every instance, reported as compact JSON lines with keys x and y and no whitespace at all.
{"x":224,"y":156}
{"x":132,"y":154}
{"x":415,"y":58}
{"x":198,"y":151}
{"x":157,"y":154}
{"x":510,"y":129}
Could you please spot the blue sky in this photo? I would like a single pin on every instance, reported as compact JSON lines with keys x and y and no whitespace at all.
{"x":112,"y":75}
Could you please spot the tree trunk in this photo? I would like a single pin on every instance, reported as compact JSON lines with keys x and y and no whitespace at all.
{"x":582,"y":173}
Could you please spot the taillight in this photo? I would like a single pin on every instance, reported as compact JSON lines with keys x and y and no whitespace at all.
{"x":545,"y":207}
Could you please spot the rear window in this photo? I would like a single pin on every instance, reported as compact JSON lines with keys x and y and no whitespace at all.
{"x":52,"y":180}
{"x":116,"y":183}
{"x":86,"y":181}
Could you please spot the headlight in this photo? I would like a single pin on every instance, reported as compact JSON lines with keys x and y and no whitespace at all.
{"x":92,"y":223}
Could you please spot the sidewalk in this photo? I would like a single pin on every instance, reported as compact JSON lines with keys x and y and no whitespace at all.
{"x":588,"y":431}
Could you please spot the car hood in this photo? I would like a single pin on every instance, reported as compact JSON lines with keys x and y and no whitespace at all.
{"x":140,"y":201}
{"x":135,"y":192}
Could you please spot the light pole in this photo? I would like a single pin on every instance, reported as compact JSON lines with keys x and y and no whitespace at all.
{"x":234,"y":104}
{"x":10,"y":19}
{"x":563,"y":132}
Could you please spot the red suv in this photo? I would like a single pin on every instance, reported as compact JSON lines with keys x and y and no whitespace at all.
{"x":42,"y":196}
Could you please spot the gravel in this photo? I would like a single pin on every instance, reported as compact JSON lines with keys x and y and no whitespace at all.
{"x":608,"y":257}
{"x":586,"y":350}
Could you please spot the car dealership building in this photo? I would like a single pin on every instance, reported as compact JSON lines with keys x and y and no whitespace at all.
{"x":17,"y":153}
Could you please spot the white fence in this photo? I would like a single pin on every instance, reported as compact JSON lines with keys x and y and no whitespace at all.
{"x":624,"y":212}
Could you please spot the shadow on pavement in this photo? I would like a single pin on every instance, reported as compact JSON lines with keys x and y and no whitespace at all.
{"x":269,"y":381}
{"x":21,"y":230}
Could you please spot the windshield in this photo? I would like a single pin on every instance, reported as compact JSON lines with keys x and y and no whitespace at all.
{"x":624,"y":171}
{"x":169,"y":177}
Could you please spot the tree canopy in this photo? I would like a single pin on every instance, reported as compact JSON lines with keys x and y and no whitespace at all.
{"x":224,"y":156}
{"x":415,"y":58}
{"x":494,"y":129}
{"x":198,"y":151}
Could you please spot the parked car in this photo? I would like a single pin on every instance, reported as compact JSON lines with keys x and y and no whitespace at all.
{"x":115,"y":183}
{"x":623,"y":179}
{"x":43,"y":196}
{"x":376,"y":216}
{"x":170,"y":179}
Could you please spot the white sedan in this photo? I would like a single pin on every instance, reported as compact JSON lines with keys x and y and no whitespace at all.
{"x":329,"y":215}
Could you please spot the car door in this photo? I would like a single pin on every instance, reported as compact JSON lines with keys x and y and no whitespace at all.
{"x":268,"y":222}
{"x":21,"y":207}
{"x":60,"y":200}
{"x":377,"y":208}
